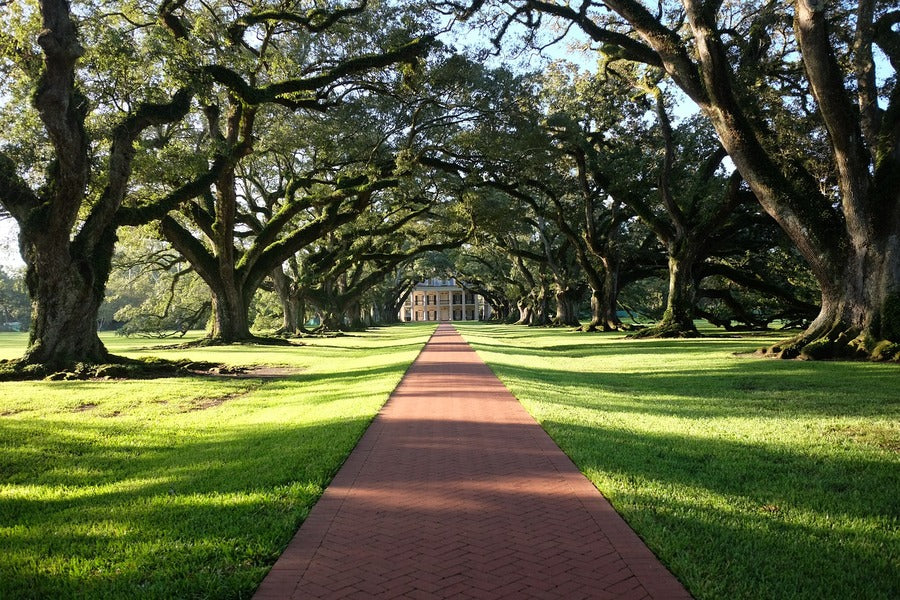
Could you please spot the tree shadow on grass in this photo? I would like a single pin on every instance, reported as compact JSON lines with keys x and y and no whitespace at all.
{"x":743,"y":388}
{"x":170,"y":516}
{"x":393,"y":348}
{"x":623,"y":346}
{"x":820,"y":527}
{"x":350,"y":376}
{"x":797,"y":521}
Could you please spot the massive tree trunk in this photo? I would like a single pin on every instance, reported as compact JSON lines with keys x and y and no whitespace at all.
{"x":599,"y":312}
{"x":854,"y":253}
{"x":596,"y":321}
{"x":291,"y":309}
{"x":540,"y":307}
{"x":390,"y":313}
{"x":523,"y":305}
{"x":605,"y":299}
{"x":231,"y":310}
{"x":66,"y":292}
{"x":231,"y":294}
{"x":386,"y":315}
{"x":679,"y":313}
{"x":332,"y":303}
{"x":354,"y":316}
{"x":333,"y":320}
{"x":610,"y":298}
{"x":847,"y":229}
{"x":860,"y":313}
{"x":678,"y":318}
{"x":68,"y":225}
{"x":566,"y":307}
{"x":501,"y":310}
{"x":390,"y":302}
{"x":65,"y":280}
{"x":604,"y":291}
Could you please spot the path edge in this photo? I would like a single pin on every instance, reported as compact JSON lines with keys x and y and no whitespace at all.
{"x":655,"y":577}
{"x":297,"y":555}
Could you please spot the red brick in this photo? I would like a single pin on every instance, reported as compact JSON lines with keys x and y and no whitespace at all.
{"x":455,"y":492}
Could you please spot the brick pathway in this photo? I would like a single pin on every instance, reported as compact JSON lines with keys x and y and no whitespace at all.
{"x":456,"y":492}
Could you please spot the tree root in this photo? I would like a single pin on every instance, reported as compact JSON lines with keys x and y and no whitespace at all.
{"x":559,"y":323}
{"x":118,"y":367}
{"x":593,"y":327}
{"x":208,"y":342}
{"x":666,"y":330}
{"x":837,"y":343}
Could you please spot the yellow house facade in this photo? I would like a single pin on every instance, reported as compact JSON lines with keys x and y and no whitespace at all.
{"x":438,"y":299}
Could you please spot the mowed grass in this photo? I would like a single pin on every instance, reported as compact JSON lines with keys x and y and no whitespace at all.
{"x":749,"y":478}
{"x":185,"y":487}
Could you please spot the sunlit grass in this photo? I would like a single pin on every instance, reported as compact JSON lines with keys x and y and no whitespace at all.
{"x":749,"y":478}
{"x":182,"y":487}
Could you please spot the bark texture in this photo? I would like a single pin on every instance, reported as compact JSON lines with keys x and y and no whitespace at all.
{"x":66,"y":237}
{"x":678,"y":318}
{"x":851,"y":239}
{"x":566,"y":307}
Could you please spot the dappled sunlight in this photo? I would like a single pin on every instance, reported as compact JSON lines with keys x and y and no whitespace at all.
{"x":728,"y":467}
{"x":775,"y":534}
{"x":463,"y":499}
{"x":748,"y":385}
{"x":120,"y":487}
{"x":66,"y":488}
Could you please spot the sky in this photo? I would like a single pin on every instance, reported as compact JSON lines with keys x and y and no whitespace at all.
{"x":9,"y":249}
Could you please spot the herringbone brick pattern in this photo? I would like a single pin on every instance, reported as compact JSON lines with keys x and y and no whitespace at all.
{"x":455,"y":492}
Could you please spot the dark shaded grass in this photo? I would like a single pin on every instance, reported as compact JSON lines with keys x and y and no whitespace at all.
{"x":203,"y":517}
{"x":185,"y":487}
{"x":749,"y":478}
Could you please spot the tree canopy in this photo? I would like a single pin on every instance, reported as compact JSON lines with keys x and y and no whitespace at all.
{"x":319,"y":151}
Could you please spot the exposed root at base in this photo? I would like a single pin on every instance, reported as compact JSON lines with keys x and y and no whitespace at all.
{"x":842,"y":345}
{"x":594,"y":328}
{"x":118,"y":367}
{"x":666,"y":331}
{"x":252,"y":341}
{"x":147,"y":368}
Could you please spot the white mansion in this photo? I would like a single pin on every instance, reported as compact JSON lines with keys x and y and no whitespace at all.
{"x":443,"y":300}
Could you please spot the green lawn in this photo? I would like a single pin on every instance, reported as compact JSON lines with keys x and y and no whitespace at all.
{"x":183,"y":487}
{"x":749,"y":478}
